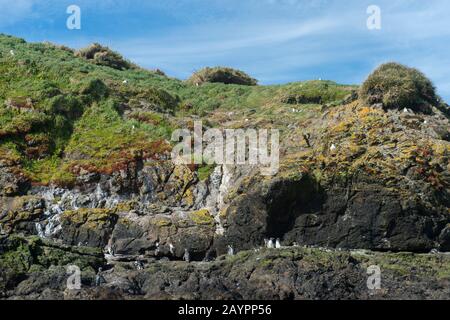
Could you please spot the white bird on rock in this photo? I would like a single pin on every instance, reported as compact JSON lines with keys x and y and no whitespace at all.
{"x":270,"y":244}
{"x":230,"y":250}
{"x":186,"y":256}
{"x":277,"y":243}
{"x":333,"y":147}
{"x":171,"y":249}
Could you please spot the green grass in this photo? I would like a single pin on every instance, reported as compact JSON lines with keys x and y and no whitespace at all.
{"x":78,"y":117}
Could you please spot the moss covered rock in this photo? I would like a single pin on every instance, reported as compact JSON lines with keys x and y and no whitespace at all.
{"x":88,"y":227}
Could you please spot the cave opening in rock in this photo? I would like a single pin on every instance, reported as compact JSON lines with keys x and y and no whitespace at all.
{"x":287,"y":201}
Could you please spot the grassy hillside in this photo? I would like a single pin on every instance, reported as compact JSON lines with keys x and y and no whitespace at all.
{"x":60,"y":112}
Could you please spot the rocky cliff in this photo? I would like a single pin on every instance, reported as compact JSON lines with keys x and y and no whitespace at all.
{"x":86,"y":179}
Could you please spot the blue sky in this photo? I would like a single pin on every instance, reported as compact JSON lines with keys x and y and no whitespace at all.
{"x":276,"y":41}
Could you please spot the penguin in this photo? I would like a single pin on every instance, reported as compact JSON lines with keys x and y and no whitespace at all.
{"x":125,"y":81}
{"x":333,"y":147}
{"x":171,"y":249}
{"x":111,"y":248}
{"x":230,"y":250}
{"x":277,"y":243}
{"x":270,"y":244}
{"x":139,"y":265}
{"x":266,"y":242}
{"x":186,"y":256}
{"x":99,"y":279}
{"x":157,"y":250}
{"x":405,"y":110}
{"x":295,"y":244}
{"x":11,"y":52}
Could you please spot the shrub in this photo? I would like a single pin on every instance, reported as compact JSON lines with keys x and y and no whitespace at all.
{"x":396,"y":86}
{"x":94,"y":89}
{"x":150,"y":98}
{"x":104,"y":56}
{"x":222,"y":75}
{"x":313,"y":92}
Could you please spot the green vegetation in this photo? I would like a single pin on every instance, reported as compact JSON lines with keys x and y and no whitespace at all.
{"x":20,"y":256}
{"x":222,"y":75}
{"x":62,"y":113}
{"x":314,"y":92}
{"x":397,"y":86}
{"x":103,"y":56}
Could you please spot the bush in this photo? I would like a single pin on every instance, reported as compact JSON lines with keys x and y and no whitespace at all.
{"x":222,"y":75}
{"x":104,"y":56}
{"x":397,"y":86}
{"x":94,"y":89}
{"x":150,"y":98}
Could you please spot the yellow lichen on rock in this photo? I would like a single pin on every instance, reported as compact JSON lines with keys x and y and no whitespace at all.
{"x":202,"y":217}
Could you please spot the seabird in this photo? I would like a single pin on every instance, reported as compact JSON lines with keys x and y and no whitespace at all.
{"x":171,"y":249}
{"x":333,"y":147}
{"x":186,"y":256}
{"x":278,"y":244}
{"x":12,"y":52}
{"x":230,"y":250}
{"x":99,"y":279}
{"x":270,"y":244}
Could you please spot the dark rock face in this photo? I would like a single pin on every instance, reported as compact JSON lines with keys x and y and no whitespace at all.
{"x":361,"y":194}
{"x":12,"y":184}
{"x":91,"y":228}
{"x":19,"y":214}
{"x":290,"y":273}
{"x":360,"y":215}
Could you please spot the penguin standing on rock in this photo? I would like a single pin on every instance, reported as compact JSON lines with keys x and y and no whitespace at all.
{"x":186,"y":256}
{"x":171,"y":249}
{"x":157,"y":250}
{"x":99,"y":279}
{"x":270,"y":244}
{"x":278,"y":243}
{"x":230,"y":250}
